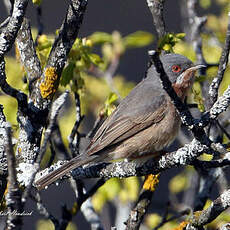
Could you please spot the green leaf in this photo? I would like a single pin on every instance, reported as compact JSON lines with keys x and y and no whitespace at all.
{"x":67,"y":74}
{"x":168,"y":41}
{"x":95,"y":59}
{"x":109,"y":103}
{"x":138,"y":39}
{"x":111,"y":99}
{"x":37,"y":2}
{"x":100,"y":37}
{"x":180,"y":35}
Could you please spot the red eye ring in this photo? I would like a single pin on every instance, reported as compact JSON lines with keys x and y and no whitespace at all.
{"x":176,"y":68}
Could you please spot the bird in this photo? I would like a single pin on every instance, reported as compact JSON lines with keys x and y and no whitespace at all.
{"x":143,"y":124}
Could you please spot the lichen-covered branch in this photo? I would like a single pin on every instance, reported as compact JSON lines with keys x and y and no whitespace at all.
{"x":200,"y":218}
{"x":91,"y":216}
{"x":56,"y":106}
{"x":214,"y":87}
{"x":156,"y":7}
{"x":3,"y":159}
{"x":59,"y":52}
{"x":140,"y":209}
{"x":28,"y":56}
{"x":27,"y":176}
{"x":13,"y":197}
{"x":181,"y":157}
{"x":9,"y":33}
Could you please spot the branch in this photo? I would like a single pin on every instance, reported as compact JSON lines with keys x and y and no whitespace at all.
{"x":27,"y":52}
{"x":67,"y":34}
{"x":84,"y":203}
{"x":40,"y":23}
{"x":138,"y":212}
{"x":13,"y":197}
{"x":225,"y":227}
{"x":42,"y":209}
{"x":213,"y":90}
{"x":207,"y":179}
{"x":7,"y":89}
{"x":9,"y":33}
{"x":174,"y":217}
{"x":3,"y":154}
{"x":156,"y":8}
{"x":181,"y":157}
{"x":58,"y":144}
{"x":59,"y":52}
{"x":81,"y":199}
{"x":56,"y":106}
{"x":200,"y":218}
{"x":74,"y":138}
{"x":27,"y":176}
{"x":91,"y":216}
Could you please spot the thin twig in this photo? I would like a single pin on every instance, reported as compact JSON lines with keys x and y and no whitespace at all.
{"x":74,"y":138}
{"x":13,"y":198}
{"x":42,"y":209}
{"x":174,"y":217}
{"x":39,"y":23}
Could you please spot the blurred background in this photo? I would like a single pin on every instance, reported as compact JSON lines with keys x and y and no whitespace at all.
{"x":108,"y":16}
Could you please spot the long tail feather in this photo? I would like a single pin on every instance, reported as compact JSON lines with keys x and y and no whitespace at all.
{"x":63,"y":170}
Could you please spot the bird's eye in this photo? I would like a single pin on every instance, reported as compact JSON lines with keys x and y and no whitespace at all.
{"x":176,"y":68}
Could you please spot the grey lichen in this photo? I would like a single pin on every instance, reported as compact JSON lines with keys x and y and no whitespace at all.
{"x":221,"y":105}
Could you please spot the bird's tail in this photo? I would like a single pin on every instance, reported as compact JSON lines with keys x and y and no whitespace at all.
{"x":64,"y":169}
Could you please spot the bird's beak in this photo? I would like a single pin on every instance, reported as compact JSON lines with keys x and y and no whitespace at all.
{"x":196,"y":67}
{"x":188,"y":74}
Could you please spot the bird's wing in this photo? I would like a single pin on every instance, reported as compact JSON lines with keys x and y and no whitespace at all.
{"x":143,"y":107}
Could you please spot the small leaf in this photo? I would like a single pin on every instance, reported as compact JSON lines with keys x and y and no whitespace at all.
{"x":111,"y":99}
{"x":168,"y":41}
{"x":138,"y":39}
{"x":180,"y":35}
{"x":95,"y":59}
{"x":67,"y":74}
{"x":100,"y":37}
{"x":37,"y":2}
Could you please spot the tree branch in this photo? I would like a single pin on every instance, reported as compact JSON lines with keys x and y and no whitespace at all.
{"x":13,"y":197}
{"x":181,"y":157}
{"x":156,"y":8}
{"x":9,"y":33}
{"x":59,"y":52}
{"x":214,"y":87}
{"x":200,"y":218}
{"x":27,"y":52}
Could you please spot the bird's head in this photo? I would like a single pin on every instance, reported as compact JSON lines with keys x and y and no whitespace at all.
{"x":180,"y":71}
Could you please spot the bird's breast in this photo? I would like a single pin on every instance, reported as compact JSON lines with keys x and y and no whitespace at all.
{"x":154,"y":138}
